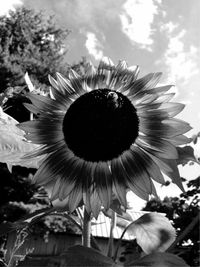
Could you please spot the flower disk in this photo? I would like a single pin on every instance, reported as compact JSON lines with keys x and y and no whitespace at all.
{"x":103,"y":133}
{"x":100,"y":125}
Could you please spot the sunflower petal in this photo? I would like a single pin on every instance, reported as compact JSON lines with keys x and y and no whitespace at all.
{"x":119,"y":172}
{"x":172,"y":108}
{"x":122,"y":65}
{"x":149,"y":165}
{"x":75,"y":196}
{"x":95,"y":203}
{"x":66,"y":187}
{"x":103,"y":181}
{"x":119,"y":182}
{"x":164,"y":98}
{"x":54,"y":83}
{"x":180,"y":125}
{"x":180,"y":140}
{"x":43,"y":103}
{"x":87,"y":177}
{"x":147,"y":82}
{"x":52,"y":166}
{"x":76,"y":82}
{"x":31,"y":108}
{"x":39,"y":125}
{"x":55,"y":189}
{"x":161,"y":89}
{"x":64,"y":100}
{"x":134,"y":168}
{"x":65,"y":83}
{"x":174,"y":174}
{"x":155,"y":127}
{"x":138,"y":191}
{"x":158,"y":147}
{"x":45,"y":149}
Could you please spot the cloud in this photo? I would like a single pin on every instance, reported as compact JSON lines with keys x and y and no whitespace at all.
{"x":137,"y":19}
{"x":7,"y":5}
{"x":93,"y":46}
{"x":180,"y":61}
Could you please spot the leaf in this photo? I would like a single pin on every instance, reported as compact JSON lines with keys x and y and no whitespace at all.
{"x":13,"y":146}
{"x":153,"y":232}
{"x":7,"y":227}
{"x":186,"y":154}
{"x":83,"y":256}
{"x":159,"y":260}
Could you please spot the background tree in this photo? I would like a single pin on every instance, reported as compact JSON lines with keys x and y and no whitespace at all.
{"x":29,"y":42}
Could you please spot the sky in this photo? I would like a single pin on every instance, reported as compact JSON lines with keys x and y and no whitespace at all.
{"x":157,"y":35}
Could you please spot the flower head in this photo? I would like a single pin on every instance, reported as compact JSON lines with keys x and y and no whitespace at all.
{"x":105,"y":132}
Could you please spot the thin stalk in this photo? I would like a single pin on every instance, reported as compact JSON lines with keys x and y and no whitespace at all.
{"x":111,"y":239}
{"x":86,"y":236}
{"x":120,"y":241}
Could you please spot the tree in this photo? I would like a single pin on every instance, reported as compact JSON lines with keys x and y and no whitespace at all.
{"x":31,"y":43}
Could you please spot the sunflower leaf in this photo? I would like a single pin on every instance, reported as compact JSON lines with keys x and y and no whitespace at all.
{"x":159,"y":259}
{"x":153,"y":232}
{"x":83,"y":256}
{"x":13,"y":145}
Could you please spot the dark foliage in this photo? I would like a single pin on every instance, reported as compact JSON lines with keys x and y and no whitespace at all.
{"x":31,"y":43}
{"x":182,"y":211}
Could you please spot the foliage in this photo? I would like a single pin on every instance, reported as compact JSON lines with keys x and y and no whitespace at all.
{"x":29,"y":42}
{"x":153,"y":232}
{"x":13,"y":145}
{"x":15,"y":186}
{"x":182,"y":211}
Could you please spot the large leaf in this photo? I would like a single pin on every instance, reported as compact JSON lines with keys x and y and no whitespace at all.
{"x":153,"y":232}
{"x":13,"y":146}
{"x":83,"y":256}
{"x":159,"y":260}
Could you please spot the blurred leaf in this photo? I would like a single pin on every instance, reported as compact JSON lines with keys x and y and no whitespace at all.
{"x":7,"y":227}
{"x":159,"y":260}
{"x":153,"y":232}
{"x":13,"y":146}
{"x":186,"y":154}
{"x":83,"y":256}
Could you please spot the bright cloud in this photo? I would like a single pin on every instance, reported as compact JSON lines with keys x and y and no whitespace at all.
{"x":93,"y":46}
{"x":7,"y":5}
{"x":181,"y":63}
{"x":137,"y":19}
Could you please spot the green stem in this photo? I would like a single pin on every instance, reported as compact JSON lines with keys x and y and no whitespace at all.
{"x":86,"y":236}
{"x":111,"y":239}
{"x":120,"y":241}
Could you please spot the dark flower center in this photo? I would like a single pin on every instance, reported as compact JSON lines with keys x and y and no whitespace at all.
{"x":100,"y":125}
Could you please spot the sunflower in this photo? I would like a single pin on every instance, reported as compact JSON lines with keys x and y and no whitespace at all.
{"x":104,"y":132}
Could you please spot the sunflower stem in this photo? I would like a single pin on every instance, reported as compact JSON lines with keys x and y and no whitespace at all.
{"x":111,"y":239}
{"x":86,"y":236}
